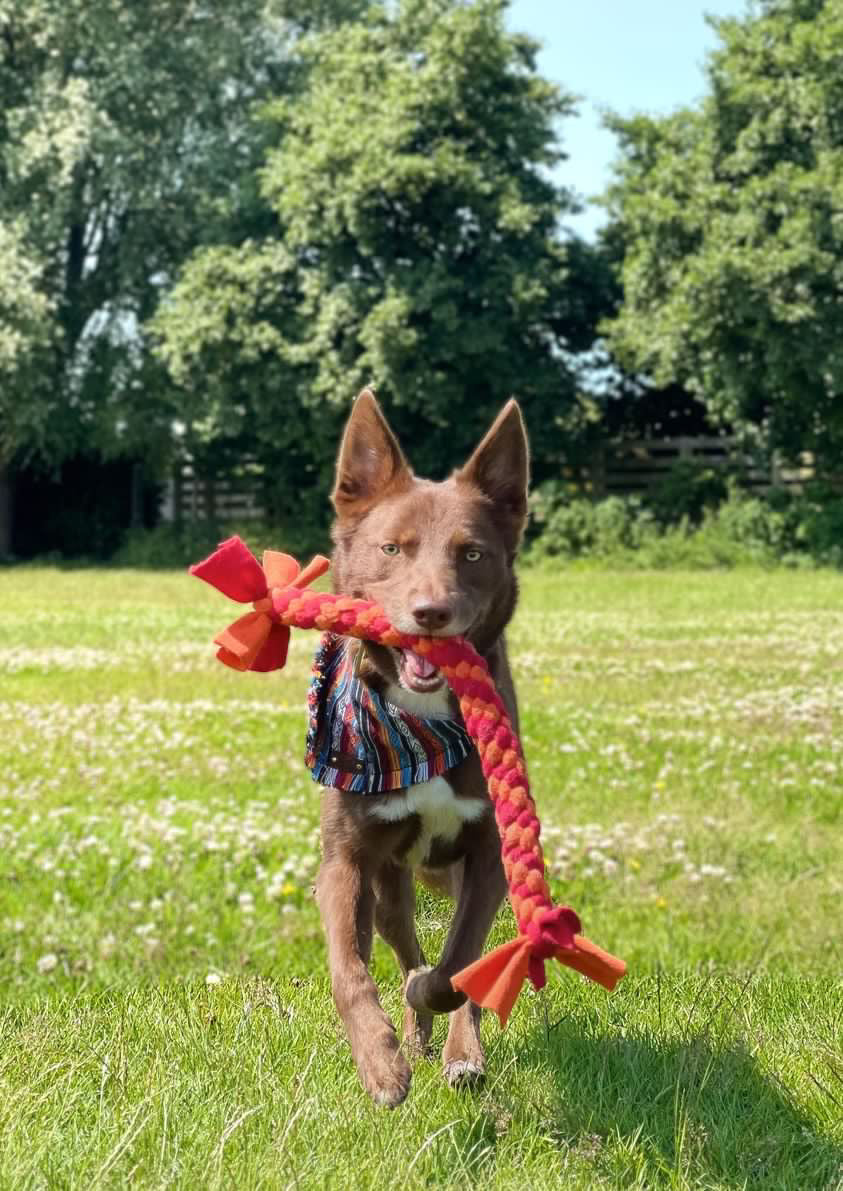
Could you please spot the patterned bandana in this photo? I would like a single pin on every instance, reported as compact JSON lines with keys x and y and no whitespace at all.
{"x":359,"y":742}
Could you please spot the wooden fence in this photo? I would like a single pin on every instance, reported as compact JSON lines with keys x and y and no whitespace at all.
{"x":230,"y":499}
{"x":636,"y":466}
{"x":628,"y":468}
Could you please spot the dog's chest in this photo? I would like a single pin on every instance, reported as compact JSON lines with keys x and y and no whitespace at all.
{"x":441,"y":813}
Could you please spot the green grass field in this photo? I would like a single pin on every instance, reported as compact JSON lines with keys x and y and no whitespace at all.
{"x":165,"y":1015}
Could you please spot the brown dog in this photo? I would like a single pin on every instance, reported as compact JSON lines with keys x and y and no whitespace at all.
{"x":438,"y":557}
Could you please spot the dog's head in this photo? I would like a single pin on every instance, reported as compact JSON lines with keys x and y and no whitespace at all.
{"x":437,"y":557}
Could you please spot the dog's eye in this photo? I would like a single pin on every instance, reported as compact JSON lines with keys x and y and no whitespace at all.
{"x":473,"y":555}
{"x":391,"y":549}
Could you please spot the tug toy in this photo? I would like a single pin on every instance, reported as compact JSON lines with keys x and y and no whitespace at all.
{"x":259,"y":640}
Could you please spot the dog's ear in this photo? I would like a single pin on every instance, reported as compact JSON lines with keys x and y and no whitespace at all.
{"x":500,"y":468}
{"x":370,"y":462}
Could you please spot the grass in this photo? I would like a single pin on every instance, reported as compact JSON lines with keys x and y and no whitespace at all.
{"x":165,"y":1016}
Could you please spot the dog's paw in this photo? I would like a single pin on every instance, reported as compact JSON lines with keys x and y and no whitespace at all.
{"x":384,"y":1071}
{"x":464,"y":1073}
{"x":430,"y":990}
{"x":387,"y":1079}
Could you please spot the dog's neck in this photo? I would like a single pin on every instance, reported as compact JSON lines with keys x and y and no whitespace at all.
{"x":427,"y":706}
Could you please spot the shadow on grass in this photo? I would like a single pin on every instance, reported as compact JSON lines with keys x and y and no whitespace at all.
{"x":652,"y":1113}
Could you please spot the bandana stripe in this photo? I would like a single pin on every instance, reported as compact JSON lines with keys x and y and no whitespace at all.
{"x":364,"y":744}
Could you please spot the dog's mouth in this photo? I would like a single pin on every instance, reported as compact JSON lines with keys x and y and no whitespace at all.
{"x":416,"y":673}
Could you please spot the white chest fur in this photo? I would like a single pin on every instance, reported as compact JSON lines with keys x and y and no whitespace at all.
{"x":442,"y":814}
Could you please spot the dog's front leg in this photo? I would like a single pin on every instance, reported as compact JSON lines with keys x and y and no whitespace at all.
{"x":482,"y":887}
{"x":346,"y":902}
{"x":395,"y":920}
{"x":482,"y":890}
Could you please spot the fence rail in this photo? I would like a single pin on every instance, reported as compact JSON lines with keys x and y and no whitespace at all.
{"x":637,"y":466}
{"x":633,"y":467}
{"x":232,"y":497}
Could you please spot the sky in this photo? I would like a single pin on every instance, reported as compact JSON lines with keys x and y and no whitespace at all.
{"x":627,"y":55}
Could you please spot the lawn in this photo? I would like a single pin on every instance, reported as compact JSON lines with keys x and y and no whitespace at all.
{"x":165,"y":1015}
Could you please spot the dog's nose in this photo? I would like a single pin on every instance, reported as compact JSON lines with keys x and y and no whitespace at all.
{"x":432,"y":616}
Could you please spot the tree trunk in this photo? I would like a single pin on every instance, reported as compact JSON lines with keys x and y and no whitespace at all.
{"x":136,"y":509}
{"x":597,"y":472}
{"x":5,"y":511}
{"x":178,"y":492}
{"x":209,"y":488}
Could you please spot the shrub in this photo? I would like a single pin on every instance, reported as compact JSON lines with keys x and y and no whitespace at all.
{"x":775,"y":528}
{"x":688,"y":491}
{"x":820,"y":527}
{"x":582,"y":527}
{"x":169,"y":546}
{"x":166,"y":546}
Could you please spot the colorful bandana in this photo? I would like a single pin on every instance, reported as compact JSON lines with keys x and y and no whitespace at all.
{"x":359,"y":742}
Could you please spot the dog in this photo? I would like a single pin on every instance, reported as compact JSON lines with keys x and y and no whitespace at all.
{"x":438,"y":558}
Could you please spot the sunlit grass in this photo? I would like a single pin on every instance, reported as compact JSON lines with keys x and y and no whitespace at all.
{"x":167,"y":1015}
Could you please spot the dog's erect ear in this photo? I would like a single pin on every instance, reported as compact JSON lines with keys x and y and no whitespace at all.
{"x":500,"y":467}
{"x":370,"y":462}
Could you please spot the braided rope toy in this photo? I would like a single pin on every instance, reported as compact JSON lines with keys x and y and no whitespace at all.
{"x":259,"y":641}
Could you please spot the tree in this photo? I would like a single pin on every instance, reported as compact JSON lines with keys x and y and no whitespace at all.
{"x":121,"y":135}
{"x":127,"y":138}
{"x":417,"y":248}
{"x":730,"y":215}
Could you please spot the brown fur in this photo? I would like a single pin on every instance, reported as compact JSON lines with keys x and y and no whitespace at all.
{"x":364,"y":882}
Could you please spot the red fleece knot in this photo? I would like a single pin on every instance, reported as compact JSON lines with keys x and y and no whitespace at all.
{"x":507,"y":813}
{"x":533,"y":932}
{"x":527,"y":857}
{"x":533,"y":862}
{"x":536,"y":973}
{"x":560,"y":925}
{"x":444,"y":652}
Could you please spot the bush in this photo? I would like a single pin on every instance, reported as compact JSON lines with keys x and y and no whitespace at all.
{"x":688,"y":491}
{"x":820,"y":529}
{"x":776,"y":528}
{"x":166,"y":546}
{"x":570,"y":528}
{"x":170,"y":546}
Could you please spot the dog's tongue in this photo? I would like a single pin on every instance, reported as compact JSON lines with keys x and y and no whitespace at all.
{"x":418,"y":666}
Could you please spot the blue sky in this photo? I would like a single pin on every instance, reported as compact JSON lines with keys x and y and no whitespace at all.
{"x":627,"y":55}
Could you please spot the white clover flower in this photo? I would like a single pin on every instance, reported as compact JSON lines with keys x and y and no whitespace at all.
{"x":47,"y":963}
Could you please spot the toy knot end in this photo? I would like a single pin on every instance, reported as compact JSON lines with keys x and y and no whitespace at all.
{"x":256,"y":641}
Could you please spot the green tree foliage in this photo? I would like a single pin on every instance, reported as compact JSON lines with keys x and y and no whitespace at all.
{"x":124,"y":135}
{"x":732,"y":220}
{"x":24,"y":308}
{"x":417,"y":248}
